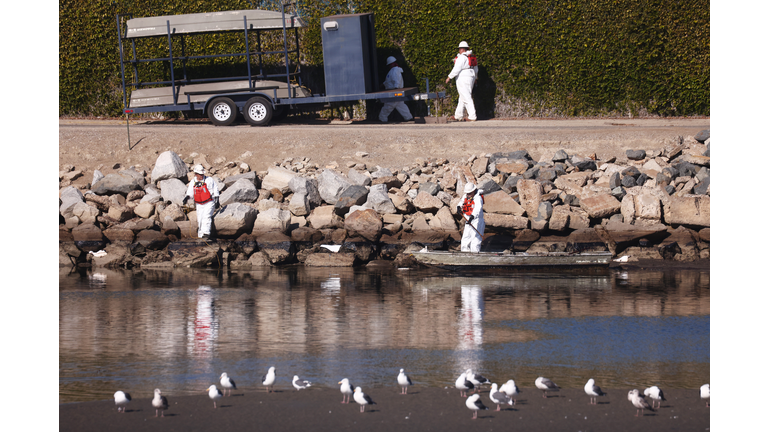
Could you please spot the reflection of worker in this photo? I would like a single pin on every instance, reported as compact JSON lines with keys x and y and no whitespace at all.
{"x":394,"y":80}
{"x":206,"y":195}
{"x":471,"y":210}
{"x":465,"y":71}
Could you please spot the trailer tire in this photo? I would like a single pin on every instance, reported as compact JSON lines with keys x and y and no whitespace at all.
{"x":222,"y":111}
{"x":257,"y":111}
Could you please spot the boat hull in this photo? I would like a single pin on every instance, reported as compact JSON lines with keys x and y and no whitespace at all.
{"x":461,"y":260}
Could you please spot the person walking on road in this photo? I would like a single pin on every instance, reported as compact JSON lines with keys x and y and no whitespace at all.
{"x":471,"y":210}
{"x":394,"y":80}
{"x":203,"y":191}
{"x":465,"y":71}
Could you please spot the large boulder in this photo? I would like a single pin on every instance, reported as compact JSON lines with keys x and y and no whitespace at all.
{"x":172,"y":190}
{"x":364,"y":223}
{"x":600,"y":206}
{"x":402,"y":203}
{"x":378,"y":199}
{"x":530,"y":192}
{"x":443,"y":220}
{"x":88,"y":237}
{"x":324,"y":217}
{"x":278,"y":178}
{"x":152,"y":240}
{"x":273,"y":219}
{"x":359,"y":178}
{"x":241,"y":191}
{"x":321,"y":259}
{"x":167,"y":166}
{"x":308,"y":187}
{"x":194,"y":253}
{"x":689,"y":210}
{"x":505,"y":221}
{"x":500,"y":202}
{"x":299,"y":204}
{"x":118,"y":255}
{"x":331,"y":184}
{"x":354,"y":195}
{"x":428,"y":203}
{"x":70,"y":197}
{"x":250,"y":176}
{"x":277,"y":246}
{"x":120,"y":183}
{"x":234,"y":220}
{"x":85,"y":213}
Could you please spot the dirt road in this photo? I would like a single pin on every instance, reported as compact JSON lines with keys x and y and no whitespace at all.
{"x":99,"y":144}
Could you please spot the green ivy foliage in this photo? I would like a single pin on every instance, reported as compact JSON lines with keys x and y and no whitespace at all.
{"x":551,"y":58}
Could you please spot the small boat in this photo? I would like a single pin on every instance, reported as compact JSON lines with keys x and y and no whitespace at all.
{"x":466,"y":260}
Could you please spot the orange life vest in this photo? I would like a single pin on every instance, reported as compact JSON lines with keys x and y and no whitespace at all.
{"x":469,"y":205}
{"x":202,"y":194}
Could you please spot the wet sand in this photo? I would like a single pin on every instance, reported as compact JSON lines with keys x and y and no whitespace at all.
{"x":422,"y":409}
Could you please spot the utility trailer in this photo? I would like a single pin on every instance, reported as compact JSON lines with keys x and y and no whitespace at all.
{"x":349,"y":60}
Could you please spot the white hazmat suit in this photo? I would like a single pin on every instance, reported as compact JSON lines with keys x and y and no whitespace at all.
{"x":471,"y":239}
{"x":204,"y":210}
{"x":394,"y":80}
{"x":465,"y":79}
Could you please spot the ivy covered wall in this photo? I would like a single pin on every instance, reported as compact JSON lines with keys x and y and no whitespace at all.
{"x":548,"y":58}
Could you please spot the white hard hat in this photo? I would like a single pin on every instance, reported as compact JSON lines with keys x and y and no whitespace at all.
{"x":391,"y":60}
{"x":469,"y":187}
{"x":199,"y":169}
{"x":463,"y":44}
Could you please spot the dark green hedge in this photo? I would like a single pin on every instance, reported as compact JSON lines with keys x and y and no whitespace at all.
{"x":537,"y":57}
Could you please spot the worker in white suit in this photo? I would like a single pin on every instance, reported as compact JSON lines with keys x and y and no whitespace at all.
{"x":471,"y":210}
{"x":394,"y":80}
{"x":465,"y":71}
{"x":203,"y":191}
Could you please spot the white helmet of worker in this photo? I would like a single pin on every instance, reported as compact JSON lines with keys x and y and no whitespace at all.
{"x":390,"y":60}
{"x":199,"y":169}
{"x":469,"y":188}
{"x":463,"y":44}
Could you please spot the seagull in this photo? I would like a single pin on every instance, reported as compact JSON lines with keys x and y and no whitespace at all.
{"x":363,"y":399}
{"x":332,"y":248}
{"x":121,"y":400}
{"x":638,"y":401}
{"x":623,"y":259}
{"x":499,"y":397}
{"x":463,"y":384}
{"x":510,"y":388}
{"x":160,"y":403}
{"x":214,"y":393}
{"x":546,"y":384}
{"x":269,"y":379}
{"x":346,"y":390}
{"x":474,"y":403}
{"x":404,"y":381}
{"x":227,"y":383}
{"x":703,"y":393}
{"x":300,"y":383}
{"x":593,"y":391}
{"x":477,"y":379}
{"x":656,"y":394}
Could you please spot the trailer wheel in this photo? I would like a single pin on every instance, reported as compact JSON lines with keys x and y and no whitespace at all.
{"x":257,"y":111}
{"x":222,"y":111}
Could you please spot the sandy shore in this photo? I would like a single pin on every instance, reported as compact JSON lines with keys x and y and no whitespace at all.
{"x":422,"y":409}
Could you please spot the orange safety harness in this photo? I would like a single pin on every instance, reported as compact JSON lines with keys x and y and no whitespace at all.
{"x":469,"y":205}
{"x":202,"y":194}
{"x":471,"y":57}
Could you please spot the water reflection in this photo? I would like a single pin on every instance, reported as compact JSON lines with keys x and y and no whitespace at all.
{"x":180,"y":329}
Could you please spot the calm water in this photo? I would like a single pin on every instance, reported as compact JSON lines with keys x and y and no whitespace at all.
{"x":179,"y":330}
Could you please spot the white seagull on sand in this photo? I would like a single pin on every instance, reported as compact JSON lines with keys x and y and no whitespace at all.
{"x":160,"y":403}
{"x":269,"y":379}
{"x":121,"y":400}
{"x":300,"y":383}
{"x":637,"y":400}
{"x":546,"y":384}
{"x":499,"y":397}
{"x":477,"y":379}
{"x":510,"y":388}
{"x":474,"y":403}
{"x":227,"y":383}
{"x":655,"y":394}
{"x":404,"y":381}
{"x":346,"y":390}
{"x":463,"y":384}
{"x":704,"y":393}
{"x":363,"y":399}
{"x":593,"y":391}
{"x":214,"y":393}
